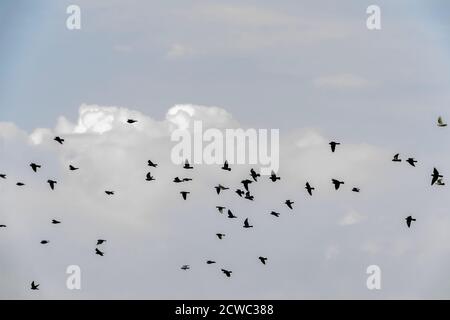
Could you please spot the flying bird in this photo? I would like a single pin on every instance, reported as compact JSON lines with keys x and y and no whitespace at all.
{"x":220,"y":235}
{"x":355,"y":189}
{"x":248,"y":196}
{"x":187,"y":165}
{"x":240,"y":192}
{"x":309,"y":188}
{"x":254,"y":175}
{"x":246,"y":224}
{"x":72,"y":168}
{"x":289,"y":203}
{"x":149,"y":177}
{"x":109,"y":193}
{"x":52,"y":184}
{"x":34,"y":286}
{"x":337,"y":183}
{"x":411,"y":161}
{"x":274,"y":177}
{"x":98,"y":252}
{"x":227,"y":272}
{"x":263,"y":260}
{"x":2,"y":225}
{"x":45,"y":241}
{"x":220,"y":208}
{"x":246,"y":182}
{"x":3,"y":176}
{"x":185,"y":267}
{"x":100,"y":241}
{"x":409,"y":219}
{"x":35,"y":166}
{"x":151,"y":164}
{"x":131,"y":121}
{"x":210,"y":262}
{"x":59,"y":140}
{"x":231,"y":215}
{"x":220,"y":188}
{"x":333,"y":145}
{"x":441,"y":122}
{"x":226,"y":166}
{"x":20,"y":184}
{"x":435,"y":175}
{"x":55,"y":221}
{"x":184,"y":194}
{"x":276,"y":214}
{"x":396,"y":158}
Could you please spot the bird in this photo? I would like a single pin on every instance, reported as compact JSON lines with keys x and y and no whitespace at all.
{"x":109,"y":193}
{"x":35,"y":166}
{"x":440,"y":182}
{"x":59,"y":140}
{"x":187,"y":179}
{"x":246,"y":224}
{"x":178,"y":180}
{"x":55,"y":221}
{"x":2,"y":225}
{"x":274,"y":177}
{"x":254,"y":175}
{"x":276,"y":214}
{"x":45,"y":241}
{"x":72,"y":168}
{"x":435,"y":176}
{"x":34,"y":286}
{"x":20,"y":184}
{"x":396,"y":158}
{"x":333,"y":145}
{"x":337,"y":183}
{"x":220,"y":208}
{"x":227,"y":272}
{"x":289,"y":203}
{"x":187,"y":165}
{"x":248,"y":196}
{"x":355,"y":189}
{"x":226,"y":166}
{"x":231,"y":215}
{"x":98,"y":252}
{"x":3,"y":176}
{"x":309,"y":188}
{"x":210,"y":262}
{"x":220,"y":235}
{"x":131,"y":121}
{"x":220,"y":187}
{"x":263,"y":260}
{"x":151,"y":164}
{"x":240,"y":192}
{"x":409,"y":219}
{"x":100,"y":241}
{"x":246,"y":182}
{"x":441,"y":122}
{"x":411,"y":161}
{"x":184,"y":194}
{"x":52,"y":184}
{"x":149,"y":177}
{"x":185,"y":267}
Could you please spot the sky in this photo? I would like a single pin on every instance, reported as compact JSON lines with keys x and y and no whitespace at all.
{"x":309,"y":69}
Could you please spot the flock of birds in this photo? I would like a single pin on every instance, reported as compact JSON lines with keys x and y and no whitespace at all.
{"x":244,"y":192}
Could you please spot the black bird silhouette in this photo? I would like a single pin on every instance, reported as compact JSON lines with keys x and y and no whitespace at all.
{"x":274,"y":177}
{"x":45,"y":242}
{"x":226,"y":166}
{"x":435,"y":176}
{"x":231,"y":215}
{"x":254,"y":175}
{"x":220,"y":187}
{"x":149,"y":177}
{"x":35,"y":166}
{"x":72,"y":168}
{"x":187,"y":179}
{"x":276,"y":214}
{"x":2,"y":225}
{"x":34,"y":286}
{"x":187,"y":165}
{"x":309,"y":188}
{"x":185,"y":267}
{"x":337,"y":183}
{"x":240,"y":192}
{"x":289,"y":203}
{"x":98,"y":252}
{"x":263,"y":260}
{"x":131,"y":121}
{"x":151,"y":164}
{"x":227,"y":272}
{"x":178,"y":180}
{"x":409,"y":219}
{"x":59,"y":140}
{"x":441,"y":122}
{"x":55,"y":221}
{"x":411,"y":161}
{"x":246,"y":224}
{"x":248,"y":196}
{"x":246,"y":182}
{"x":100,"y":241}
{"x":210,"y":262}
{"x":220,"y":235}
{"x":333,"y":145}
{"x":220,"y":208}
{"x":3,"y":176}
{"x":52,"y":184}
{"x":355,"y":189}
{"x":396,"y":158}
{"x":184,"y":194}
{"x":20,"y":184}
{"x":109,"y":193}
